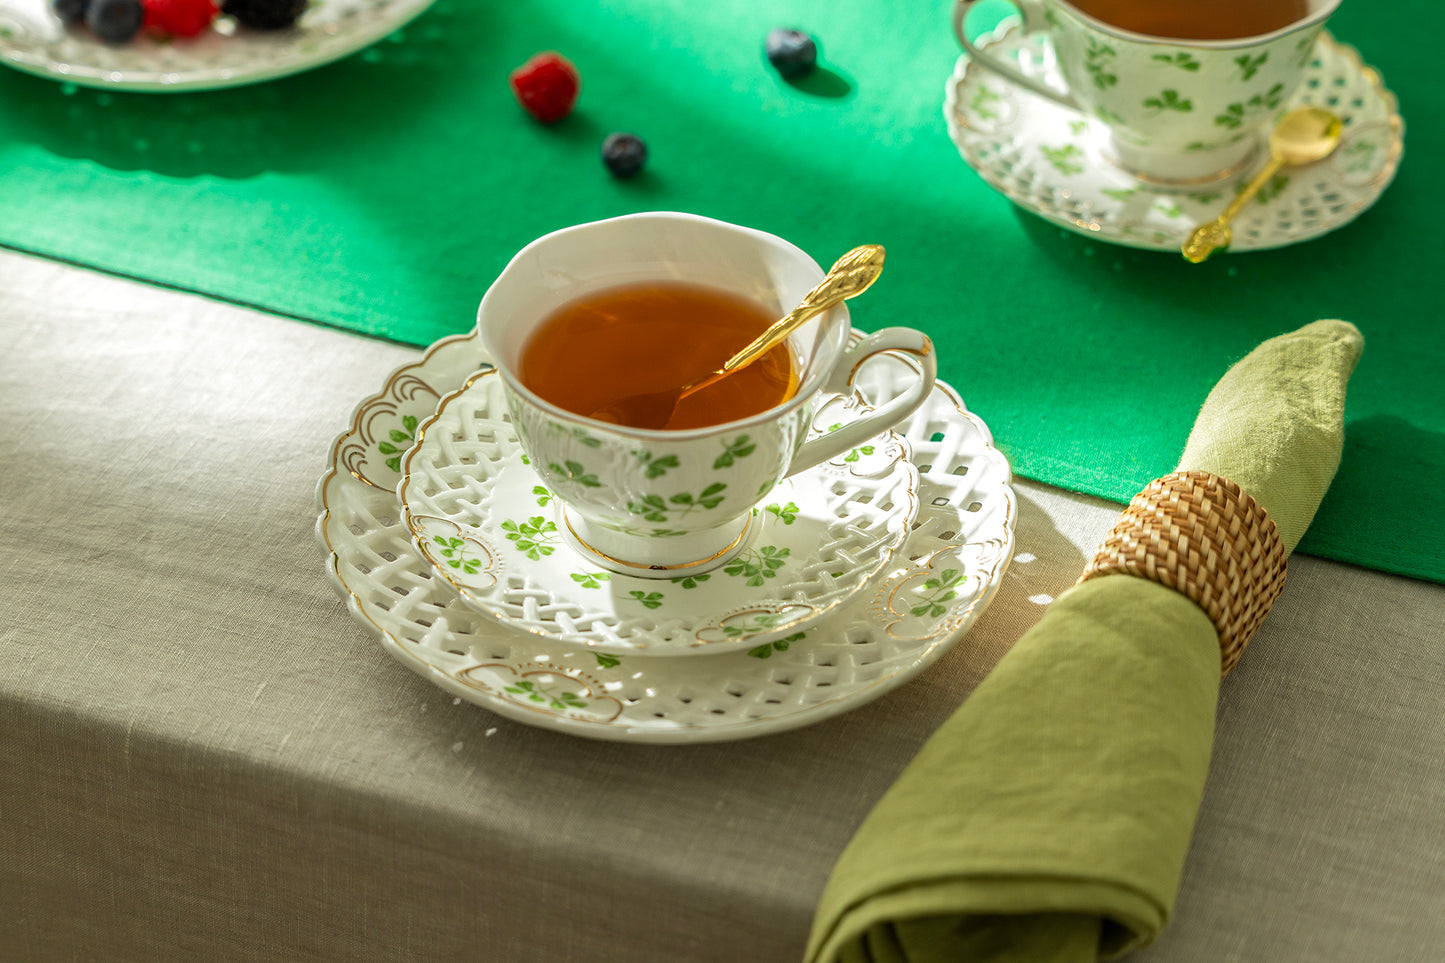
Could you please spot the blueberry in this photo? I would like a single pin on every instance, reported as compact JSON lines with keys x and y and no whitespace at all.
{"x":69,"y":11}
{"x":265,"y":14}
{"x":115,"y":21}
{"x":792,"y":52}
{"x":623,"y":154}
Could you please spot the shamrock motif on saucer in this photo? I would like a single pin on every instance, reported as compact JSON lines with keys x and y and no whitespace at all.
{"x":850,"y":656}
{"x":488,"y":525}
{"x":1049,"y":160}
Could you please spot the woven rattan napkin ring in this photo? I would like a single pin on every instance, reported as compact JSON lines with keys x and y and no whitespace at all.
{"x":1201,"y":535}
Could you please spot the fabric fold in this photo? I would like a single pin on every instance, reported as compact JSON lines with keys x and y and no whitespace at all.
{"x":1274,"y":424}
{"x":1049,"y":818}
{"x":1073,"y":765}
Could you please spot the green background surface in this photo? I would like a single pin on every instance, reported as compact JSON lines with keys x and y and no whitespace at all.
{"x":384,"y":192}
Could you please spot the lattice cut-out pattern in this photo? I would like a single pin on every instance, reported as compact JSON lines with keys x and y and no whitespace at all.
{"x":497,"y":534}
{"x":876,"y":642}
{"x":1052,"y":161}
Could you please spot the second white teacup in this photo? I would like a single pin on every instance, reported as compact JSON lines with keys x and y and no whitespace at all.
{"x":667,"y":502}
{"x":1178,"y":112}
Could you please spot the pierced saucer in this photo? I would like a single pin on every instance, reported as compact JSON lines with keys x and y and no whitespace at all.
{"x":490,"y":527}
{"x":937,"y":584}
{"x":1047,"y":159}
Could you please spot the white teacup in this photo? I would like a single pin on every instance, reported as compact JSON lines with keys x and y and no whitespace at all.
{"x":1178,"y":112}
{"x":661,"y":503}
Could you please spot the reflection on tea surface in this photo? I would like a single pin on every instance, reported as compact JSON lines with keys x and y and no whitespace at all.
{"x":642,"y":338}
{"x":1197,"y":19}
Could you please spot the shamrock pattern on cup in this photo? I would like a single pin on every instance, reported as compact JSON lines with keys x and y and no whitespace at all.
{"x":808,"y":548}
{"x":1165,"y":96}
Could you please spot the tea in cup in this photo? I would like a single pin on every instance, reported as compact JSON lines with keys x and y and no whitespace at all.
{"x":637,"y":304}
{"x":1183,"y":88}
{"x":591,"y":355}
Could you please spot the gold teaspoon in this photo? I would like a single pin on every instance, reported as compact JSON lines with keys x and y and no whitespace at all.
{"x":850,"y":276}
{"x":1302,"y":136}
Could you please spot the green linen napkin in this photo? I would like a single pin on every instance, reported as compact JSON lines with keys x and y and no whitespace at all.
{"x":1048,"y":820}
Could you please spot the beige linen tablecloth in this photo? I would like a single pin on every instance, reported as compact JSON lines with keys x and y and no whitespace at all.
{"x":203,"y":757}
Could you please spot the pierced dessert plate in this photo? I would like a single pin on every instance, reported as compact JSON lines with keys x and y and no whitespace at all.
{"x":34,"y":40}
{"x":1046,"y":158}
{"x":490,"y":527}
{"x":923,"y":601}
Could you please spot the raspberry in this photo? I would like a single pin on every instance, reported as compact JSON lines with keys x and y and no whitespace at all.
{"x":792,"y":52}
{"x":624,"y":154}
{"x":179,"y":18}
{"x":546,"y":86}
{"x":264,"y":14}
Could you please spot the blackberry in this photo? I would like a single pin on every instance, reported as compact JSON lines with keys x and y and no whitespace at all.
{"x":624,"y":154}
{"x":69,"y":11}
{"x":792,"y":52}
{"x":264,"y":14}
{"x":114,"y":21}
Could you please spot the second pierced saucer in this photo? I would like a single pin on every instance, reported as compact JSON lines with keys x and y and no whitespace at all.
{"x":1046,"y":158}
{"x":483,"y":519}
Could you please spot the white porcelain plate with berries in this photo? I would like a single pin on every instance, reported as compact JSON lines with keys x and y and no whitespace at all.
{"x":171,"y":45}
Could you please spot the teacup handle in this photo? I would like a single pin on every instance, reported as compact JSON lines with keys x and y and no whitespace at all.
{"x":850,"y":436}
{"x":1033,"y":14}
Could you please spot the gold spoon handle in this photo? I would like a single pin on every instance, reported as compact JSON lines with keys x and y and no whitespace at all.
{"x":849,"y":276}
{"x":1210,"y":235}
{"x":764,"y":343}
{"x":779,"y":330}
{"x":1252,"y":188}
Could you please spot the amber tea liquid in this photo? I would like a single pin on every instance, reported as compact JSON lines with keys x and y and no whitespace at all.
{"x":642,"y":338}
{"x":1197,"y":19}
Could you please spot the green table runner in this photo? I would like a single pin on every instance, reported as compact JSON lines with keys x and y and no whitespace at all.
{"x":383,"y":193}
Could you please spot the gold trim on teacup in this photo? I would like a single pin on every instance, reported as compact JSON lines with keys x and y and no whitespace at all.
{"x":1313,"y":18}
{"x":578,"y":544}
{"x":968,"y":71}
{"x":922,"y":351}
{"x":1183,"y":183}
{"x":643,"y":566}
{"x":424,"y":660}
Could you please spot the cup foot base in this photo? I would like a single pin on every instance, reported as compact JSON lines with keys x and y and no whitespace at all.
{"x":660,"y":558}
{"x":1182,"y":172}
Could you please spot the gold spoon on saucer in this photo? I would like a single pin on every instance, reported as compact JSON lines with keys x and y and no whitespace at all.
{"x":1302,"y":136}
{"x":850,"y":276}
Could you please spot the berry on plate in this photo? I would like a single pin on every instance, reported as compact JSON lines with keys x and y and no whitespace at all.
{"x":792,"y":52}
{"x":624,"y":154}
{"x":546,"y":86}
{"x":69,"y":11}
{"x":179,"y":18}
{"x":264,"y":14}
{"x":114,"y":21}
